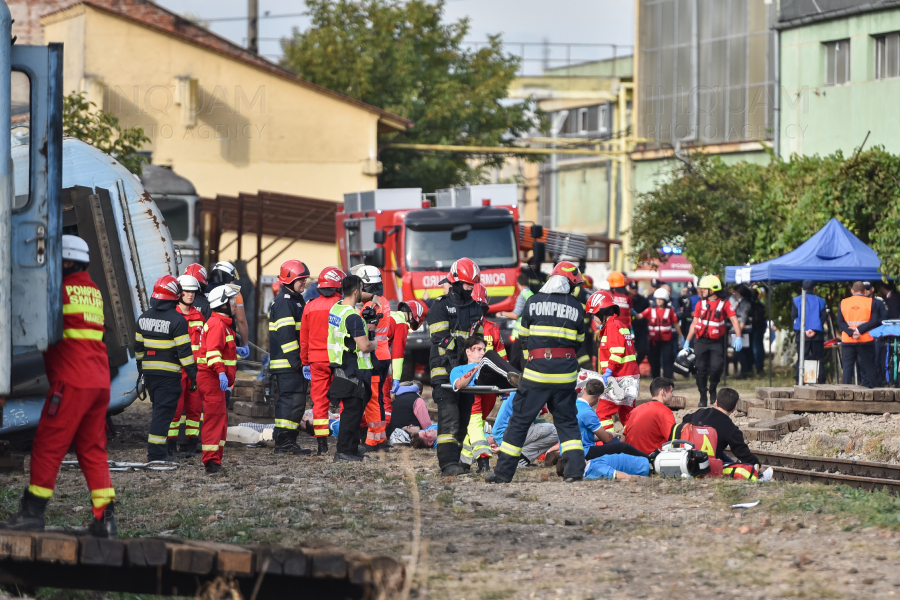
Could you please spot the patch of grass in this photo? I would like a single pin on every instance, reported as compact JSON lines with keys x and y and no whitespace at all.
{"x":733,"y":492}
{"x":528,"y":498}
{"x":497,"y":594}
{"x":868,"y":509}
{"x":445,"y":497}
{"x":486,"y":513}
{"x":837,"y":431}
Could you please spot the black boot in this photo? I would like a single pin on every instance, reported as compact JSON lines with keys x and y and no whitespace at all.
{"x":494,"y":478}
{"x":453,"y":469}
{"x":214,"y":467}
{"x":323,"y":446}
{"x":172,"y":447}
{"x":105,"y":527}
{"x":703,"y":401}
{"x":189,"y":448}
{"x":31,"y":514}
{"x":484,"y":465}
{"x":343,"y":457}
{"x":287,"y":444}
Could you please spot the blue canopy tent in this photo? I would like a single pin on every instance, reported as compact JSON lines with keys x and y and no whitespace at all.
{"x":832,"y":254}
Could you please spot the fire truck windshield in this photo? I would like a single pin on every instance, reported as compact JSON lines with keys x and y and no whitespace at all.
{"x":435,"y":249}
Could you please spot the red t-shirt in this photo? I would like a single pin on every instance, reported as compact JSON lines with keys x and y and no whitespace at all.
{"x":649,"y":426}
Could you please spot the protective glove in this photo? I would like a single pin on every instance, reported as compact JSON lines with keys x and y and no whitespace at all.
{"x":193,"y":385}
{"x":738,"y":344}
{"x":140,"y":388}
{"x":634,"y":313}
{"x":395,"y":386}
{"x":307,"y":372}
{"x":687,"y":345}
{"x":243,"y":351}
{"x":606,"y":375}
{"x":223,"y":381}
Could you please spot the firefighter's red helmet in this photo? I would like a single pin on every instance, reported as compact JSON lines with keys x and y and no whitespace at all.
{"x":598,"y":301}
{"x":167,"y":288}
{"x":198,"y":272}
{"x":330,"y":278}
{"x":464,"y":270}
{"x":588,"y":282}
{"x":291,"y":271}
{"x":418,"y":310}
{"x":479,"y":294}
{"x":570,"y":271}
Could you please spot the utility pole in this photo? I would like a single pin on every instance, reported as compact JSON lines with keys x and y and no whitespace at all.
{"x":253,"y":26}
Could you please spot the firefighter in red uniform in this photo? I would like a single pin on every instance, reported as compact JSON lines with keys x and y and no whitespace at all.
{"x":190,"y":405}
{"x":218,"y":364}
{"x":375,"y":303}
{"x":616,"y":358}
{"x":411,"y":316}
{"x":621,"y":296}
{"x":314,"y":349}
{"x":198,"y":272}
{"x":74,"y":413}
{"x":661,"y":328}
{"x":708,"y":327}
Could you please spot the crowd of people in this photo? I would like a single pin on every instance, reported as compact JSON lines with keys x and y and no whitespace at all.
{"x":575,"y":355}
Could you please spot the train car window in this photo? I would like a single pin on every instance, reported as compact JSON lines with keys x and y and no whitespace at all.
{"x":175,"y":214}
{"x":19,"y":122}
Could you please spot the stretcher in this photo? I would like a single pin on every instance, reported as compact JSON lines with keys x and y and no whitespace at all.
{"x":156,"y":465}
{"x":480,"y":389}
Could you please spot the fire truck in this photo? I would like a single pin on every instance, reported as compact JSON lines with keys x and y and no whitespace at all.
{"x":414,"y":240}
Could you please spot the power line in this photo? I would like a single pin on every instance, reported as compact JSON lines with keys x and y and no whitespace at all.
{"x":264,"y":16}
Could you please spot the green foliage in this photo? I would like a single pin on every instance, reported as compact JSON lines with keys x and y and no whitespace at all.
{"x":82,"y":120}
{"x":748,"y":213}
{"x":398,"y":55}
{"x":868,"y":509}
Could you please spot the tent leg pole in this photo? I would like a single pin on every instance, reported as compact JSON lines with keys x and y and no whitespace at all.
{"x":769,"y":325}
{"x":801,"y":357}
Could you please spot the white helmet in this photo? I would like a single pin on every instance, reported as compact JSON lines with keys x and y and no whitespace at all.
{"x":189,"y":283}
{"x":221,"y":295}
{"x":224,"y":265}
{"x":603,"y":285}
{"x":75,"y":248}
{"x":661,"y":294}
{"x":369,"y":274}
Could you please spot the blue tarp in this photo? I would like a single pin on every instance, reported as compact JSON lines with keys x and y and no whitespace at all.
{"x":832,"y":254}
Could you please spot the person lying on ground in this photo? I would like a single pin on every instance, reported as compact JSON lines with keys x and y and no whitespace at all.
{"x":409,"y":410}
{"x":591,"y":429}
{"x":424,"y":439}
{"x":615,"y":466}
{"x":541,"y":435}
{"x":718,"y":416}
{"x":650,"y":424}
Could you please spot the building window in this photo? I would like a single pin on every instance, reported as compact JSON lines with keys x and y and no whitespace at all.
{"x":837,"y":62}
{"x":582,"y":120}
{"x":887,"y":56}
{"x":603,"y":119}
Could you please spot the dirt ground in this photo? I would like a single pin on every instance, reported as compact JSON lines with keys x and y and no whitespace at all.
{"x":535,"y":538}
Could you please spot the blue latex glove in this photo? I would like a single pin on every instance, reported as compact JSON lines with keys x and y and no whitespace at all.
{"x":634,"y":313}
{"x":223,"y":381}
{"x":395,"y":386}
{"x":687,"y":345}
{"x":738,"y":344}
{"x":307,"y":372}
{"x":243,"y":351}
{"x":606,"y":375}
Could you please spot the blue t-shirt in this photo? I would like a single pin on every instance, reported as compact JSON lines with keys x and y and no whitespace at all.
{"x":588,"y":423}
{"x":461,"y":370}
{"x":605,"y":467}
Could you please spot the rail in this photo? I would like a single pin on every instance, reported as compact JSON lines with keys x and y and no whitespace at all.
{"x":832,"y":471}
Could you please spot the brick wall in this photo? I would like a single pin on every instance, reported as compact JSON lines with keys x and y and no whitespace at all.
{"x":28,"y":13}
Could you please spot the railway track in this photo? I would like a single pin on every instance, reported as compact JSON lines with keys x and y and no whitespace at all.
{"x":832,"y":471}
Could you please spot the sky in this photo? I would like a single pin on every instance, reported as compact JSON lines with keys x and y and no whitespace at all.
{"x":528,"y":21}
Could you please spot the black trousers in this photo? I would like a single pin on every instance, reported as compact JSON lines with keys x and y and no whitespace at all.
{"x":641,"y":347}
{"x":454,"y":410}
{"x":662,"y":354}
{"x":494,"y":369}
{"x":710,"y":364}
{"x":164,"y":394}
{"x":527,"y":403}
{"x":863,"y":356}
{"x":614,"y":448}
{"x":516,"y":358}
{"x":291,"y":403}
{"x":351,"y":417}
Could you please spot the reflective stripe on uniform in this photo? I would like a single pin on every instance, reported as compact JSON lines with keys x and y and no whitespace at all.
{"x":159,"y":344}
{"x":446,"y":438}
{"x":83,"y":334}
{"x":210,"y":447}
{"x":182,"y":339}
{"x":229,"y":363}
{"x":290,"y":346}
{"x":608,"y":424}
{"x":285,"y":322}
{"x":160,"y":366}
{"x":40,"y":492}
{"x":156,"y":439}
{"x":562,"y":333}
{"x":622,"y":359}
{"x":438,"y":372}
{"x":550,"y":377}
{"x":286,"y":424}
{"x":187,"y":360}
{"x":507,"y":448}
{"x":102,"y":497}
{"x":439,"y":326}
{"x":280,"y":363}
{"x":75,"y":309}
{"x":195,"y":323}
{"x":571,"y":445}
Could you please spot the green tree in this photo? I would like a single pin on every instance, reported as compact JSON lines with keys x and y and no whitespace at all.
{"x":82,"y":120}
{"x":398,"y":55}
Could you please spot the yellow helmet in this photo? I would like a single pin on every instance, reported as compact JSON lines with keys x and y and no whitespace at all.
{"x":710,"y":282}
